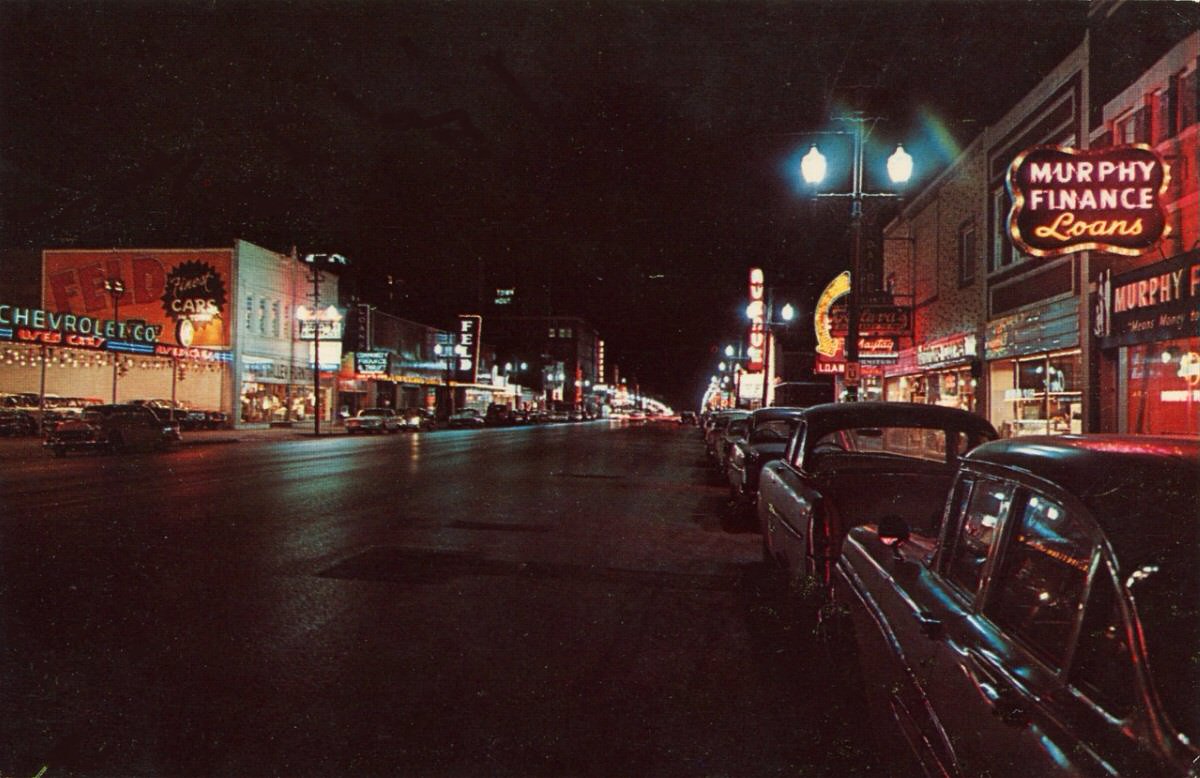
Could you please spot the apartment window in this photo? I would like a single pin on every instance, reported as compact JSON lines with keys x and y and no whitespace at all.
{"x":249,"y":313}
{"x":1002,"y":248}
{"x":275,"y":319}
{"x":966,"y":254}
{"x":262,"y":316}
{"x":553,"y":333}
{"x":564,"y":332}
{"x":1125,"y":129}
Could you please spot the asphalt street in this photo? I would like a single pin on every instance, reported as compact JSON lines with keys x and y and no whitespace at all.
{"x":563,"y":600}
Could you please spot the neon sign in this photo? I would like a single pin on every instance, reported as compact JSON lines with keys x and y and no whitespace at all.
{"x":466,"y":346}
{"x":1067,"y":200}
{"x":827,"y":344}
{"x":74,"y":329}
{"x":758,"y":322}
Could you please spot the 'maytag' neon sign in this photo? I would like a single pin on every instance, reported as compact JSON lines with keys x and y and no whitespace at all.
{"x":1067,"y":200}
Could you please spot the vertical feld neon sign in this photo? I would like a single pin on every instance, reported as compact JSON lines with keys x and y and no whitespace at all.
{"x":758,"y":322}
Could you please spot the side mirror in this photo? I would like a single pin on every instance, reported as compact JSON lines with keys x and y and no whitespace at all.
{"x":893,"y":532}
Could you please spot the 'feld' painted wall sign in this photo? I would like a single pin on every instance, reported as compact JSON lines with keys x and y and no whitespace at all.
{"x":1067,"y":200}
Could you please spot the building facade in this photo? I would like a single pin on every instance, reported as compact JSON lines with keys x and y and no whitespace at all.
{"x":1058,"y":342}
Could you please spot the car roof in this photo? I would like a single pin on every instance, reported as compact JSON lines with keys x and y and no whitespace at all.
{"x":775,"y":412}
{"x":1144,"y":491}
{"x":834,"y":416}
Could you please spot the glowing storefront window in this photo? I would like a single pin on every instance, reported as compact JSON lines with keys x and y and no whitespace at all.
{"x":1162,"y":387}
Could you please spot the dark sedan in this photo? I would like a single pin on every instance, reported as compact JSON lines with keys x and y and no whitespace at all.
{"x":121,"y":427}
{"x":768,"y":433}
{"x":852,"y":463}
{"x":1051,"y":624}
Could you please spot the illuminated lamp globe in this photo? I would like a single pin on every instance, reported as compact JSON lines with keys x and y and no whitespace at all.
{"x":900,"y":165}
{"x":788,"y":313}
{"x":812,"y":166}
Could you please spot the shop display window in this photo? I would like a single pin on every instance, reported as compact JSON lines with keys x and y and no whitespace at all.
{"x":1038,"y":395}
{"x":1162,"y":387}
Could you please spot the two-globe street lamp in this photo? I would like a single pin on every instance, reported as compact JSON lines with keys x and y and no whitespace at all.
{"x":770,"y":323}
{"x":116,"y":288}
{"x":813,"y":168}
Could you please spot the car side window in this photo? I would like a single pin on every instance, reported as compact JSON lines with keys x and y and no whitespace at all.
{"x":1102,"y":667}
{"x":972,"y":537}
{"x":796,"y":446}
{"x":1043,"y":578}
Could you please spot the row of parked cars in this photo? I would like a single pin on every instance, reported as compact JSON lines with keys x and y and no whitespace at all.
{"x":19,"y":412}
{"x":1026,"y":606}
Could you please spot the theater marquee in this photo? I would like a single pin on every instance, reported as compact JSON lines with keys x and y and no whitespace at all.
{"x":1067,"y":200}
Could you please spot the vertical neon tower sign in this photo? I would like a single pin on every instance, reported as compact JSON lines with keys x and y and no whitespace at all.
{"x":758,"y":322}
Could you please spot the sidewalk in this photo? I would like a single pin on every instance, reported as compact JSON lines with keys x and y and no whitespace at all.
{"x":31,"y":445}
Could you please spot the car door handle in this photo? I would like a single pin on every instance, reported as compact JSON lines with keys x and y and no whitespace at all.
{"x":930,"y":625}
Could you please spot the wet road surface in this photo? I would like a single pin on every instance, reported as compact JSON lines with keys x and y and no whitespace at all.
{"x":566,"y":600}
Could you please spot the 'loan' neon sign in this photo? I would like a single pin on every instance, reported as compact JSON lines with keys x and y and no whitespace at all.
{"x":1067,"y":200}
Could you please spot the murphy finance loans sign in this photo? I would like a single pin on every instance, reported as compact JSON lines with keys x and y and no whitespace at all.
{"x":1067,"y":200}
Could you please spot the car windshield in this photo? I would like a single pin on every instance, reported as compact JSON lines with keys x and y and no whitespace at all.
{"x":773,"y":431}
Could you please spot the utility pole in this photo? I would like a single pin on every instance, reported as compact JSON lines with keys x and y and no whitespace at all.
{"x":316,"y":297}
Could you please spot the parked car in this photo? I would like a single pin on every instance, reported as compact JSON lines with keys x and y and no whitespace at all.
{"x":378,"y":420}
{"x":119,"y":427}
{"x":716,"y":427}
{"x":417,"y":419}
{"x":58,"y":409}
{"x":852,"y":463}
{"x":467,"y":417}
{"x":687,"y":417}
{"x":15,"y":422}
{"x":498,"y":415}
{"x":735,"y":431}
{"x":1050,"y":624}
{"x":769,"y":430}
{"x":179,"y":415}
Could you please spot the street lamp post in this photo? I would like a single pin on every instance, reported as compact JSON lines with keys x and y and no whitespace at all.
{"x":812,"y":168}
{"x":116,"y":288}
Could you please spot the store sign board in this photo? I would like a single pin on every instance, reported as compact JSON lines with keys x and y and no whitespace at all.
{"x":183,"y":293}
{"x":324,"y":329}
{"x":1156,"y":302}
{"x":1067,"y":200}
{"x":949,"y":351}
{"x":370,"y":362}
{"x":872,"y":320}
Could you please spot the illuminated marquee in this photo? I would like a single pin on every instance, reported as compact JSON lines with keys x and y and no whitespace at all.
{"x":1067,"y":200}
{"x":758,"y":322}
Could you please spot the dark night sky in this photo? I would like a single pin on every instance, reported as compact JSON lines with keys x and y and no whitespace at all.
{"x":589,"y":145}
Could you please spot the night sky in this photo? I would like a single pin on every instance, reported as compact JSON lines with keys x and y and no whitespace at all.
{"x":631,"y":159}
